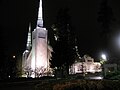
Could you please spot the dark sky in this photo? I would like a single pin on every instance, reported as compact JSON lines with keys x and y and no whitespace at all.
{"x":16,"y":15}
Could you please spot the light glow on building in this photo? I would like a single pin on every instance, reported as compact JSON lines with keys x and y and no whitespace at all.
{"x":36,"y":60}
{"x":84,"y":67}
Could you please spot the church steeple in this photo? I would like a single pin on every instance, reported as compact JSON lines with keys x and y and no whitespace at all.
{"x":40,"y":18}
{"x":28,"y":46}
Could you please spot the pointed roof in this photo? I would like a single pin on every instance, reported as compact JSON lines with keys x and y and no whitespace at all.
{"x":28,"y":46}
{"x":40,"y":18}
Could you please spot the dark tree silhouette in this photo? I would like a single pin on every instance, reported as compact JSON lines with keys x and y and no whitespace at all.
{"x":105,"y":16}
{"x":105,"y":19}
{"x":64,"y":46}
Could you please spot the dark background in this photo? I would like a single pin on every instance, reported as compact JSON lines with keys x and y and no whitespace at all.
{"x":15,"y":16}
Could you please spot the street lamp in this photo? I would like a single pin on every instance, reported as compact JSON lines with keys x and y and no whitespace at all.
{"x":104,"y":57}
{"x":14,"y":56}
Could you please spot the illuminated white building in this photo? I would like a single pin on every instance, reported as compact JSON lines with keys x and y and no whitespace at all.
{"x":87,"y":66}
{"x":36,"y":57}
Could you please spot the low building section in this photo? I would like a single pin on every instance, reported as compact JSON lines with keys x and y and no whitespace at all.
{"x":85,"y":65}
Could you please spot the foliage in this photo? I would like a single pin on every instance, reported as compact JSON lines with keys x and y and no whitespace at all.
{"x":8,"y":68}
{"x":105,"y":19}
{"x":105,"y":15}
{"x":27,"y":71}
{"x":63,"y":47}
{"x":117,"y":77}
{"x":39,"y":72}
{"x":113,"y":75}
{"x":79,"y":85}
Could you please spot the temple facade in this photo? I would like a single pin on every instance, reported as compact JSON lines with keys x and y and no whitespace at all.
{"x":36,"y":57}
{"x":85,"y":65}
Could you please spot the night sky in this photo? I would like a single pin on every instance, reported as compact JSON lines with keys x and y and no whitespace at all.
{"x":16,"y":15}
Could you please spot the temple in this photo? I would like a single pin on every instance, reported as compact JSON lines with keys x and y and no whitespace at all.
{"x":36,"y":57}
{"x":85,"y":65}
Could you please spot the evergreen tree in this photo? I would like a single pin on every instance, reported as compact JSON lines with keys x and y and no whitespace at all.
{"x":105,"y":19}
{"x":105,"y":16}
{"x":64,"y":46}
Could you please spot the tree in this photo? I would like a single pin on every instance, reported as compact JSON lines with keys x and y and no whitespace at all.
{"x":105,"y":18}
{"x":64,"y":46}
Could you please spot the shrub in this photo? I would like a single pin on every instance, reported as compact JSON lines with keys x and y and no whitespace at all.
{"x":80,"y":85}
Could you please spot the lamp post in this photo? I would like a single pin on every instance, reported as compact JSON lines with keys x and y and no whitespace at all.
{"x":103,"y":60}
{"x":14,"y":57}
{"x":104,"y":57}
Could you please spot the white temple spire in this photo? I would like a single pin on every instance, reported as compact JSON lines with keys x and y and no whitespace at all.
{"x":29,"y":38}
{"x":37,"y":55}
{"x":40,"y":18}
